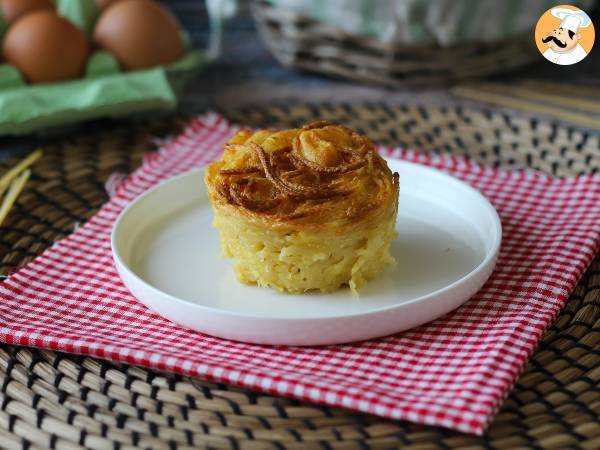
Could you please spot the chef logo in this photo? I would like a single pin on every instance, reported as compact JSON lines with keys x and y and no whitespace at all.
{"x":564,"y":35}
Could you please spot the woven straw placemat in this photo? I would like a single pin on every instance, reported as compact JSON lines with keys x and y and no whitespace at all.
{"x":301,"y":42}
{"x":50,"y":400}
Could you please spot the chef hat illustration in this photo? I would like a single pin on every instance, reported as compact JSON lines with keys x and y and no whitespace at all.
{"x":571,"y":20}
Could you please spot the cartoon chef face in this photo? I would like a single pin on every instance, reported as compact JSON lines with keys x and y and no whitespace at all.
{"x":561,"y":39}
{"x":561,"y":43}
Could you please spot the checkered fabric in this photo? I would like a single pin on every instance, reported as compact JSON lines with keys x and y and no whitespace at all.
{"x":453,"y":372}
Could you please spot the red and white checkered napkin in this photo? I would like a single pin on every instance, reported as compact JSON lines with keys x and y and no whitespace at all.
{"x":453,"y":372}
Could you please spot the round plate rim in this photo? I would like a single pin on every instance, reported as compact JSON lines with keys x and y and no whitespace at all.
{"x":490,"y":256}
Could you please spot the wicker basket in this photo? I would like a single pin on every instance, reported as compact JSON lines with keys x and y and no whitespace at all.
{"x":300,"y":42}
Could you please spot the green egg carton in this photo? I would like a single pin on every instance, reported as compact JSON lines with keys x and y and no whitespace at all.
{"x":104,"y":91}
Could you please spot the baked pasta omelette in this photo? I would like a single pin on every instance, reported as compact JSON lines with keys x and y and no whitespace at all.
{"x":311,"y":208}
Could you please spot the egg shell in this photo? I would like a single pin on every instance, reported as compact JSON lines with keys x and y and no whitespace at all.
{"x":14,"y":9}
{"x":102,"y":4}
{"x":140,"y":33}
{"x":46,"y":47}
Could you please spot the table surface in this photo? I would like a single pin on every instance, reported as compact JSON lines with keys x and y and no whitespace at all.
{"x":552,"y":402}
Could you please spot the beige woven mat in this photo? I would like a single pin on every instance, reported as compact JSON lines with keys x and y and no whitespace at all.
{"x":50,"y":400}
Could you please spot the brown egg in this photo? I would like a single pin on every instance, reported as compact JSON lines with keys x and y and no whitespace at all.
{"x":102,"y":4}
{"x":46,"y":47}
{"x":140,"y":33}
{"x":13,"y":9}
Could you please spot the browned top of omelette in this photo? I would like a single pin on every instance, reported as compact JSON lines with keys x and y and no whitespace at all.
{"x":319,"y":173}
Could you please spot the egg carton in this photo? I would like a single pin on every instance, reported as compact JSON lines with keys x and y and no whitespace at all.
{"x":105,"y":90}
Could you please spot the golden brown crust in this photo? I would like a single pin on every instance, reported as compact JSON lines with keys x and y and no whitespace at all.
{"x":320,"y":173}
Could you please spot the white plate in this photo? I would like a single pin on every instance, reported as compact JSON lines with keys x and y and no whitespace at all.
{"x":168,"y":255}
